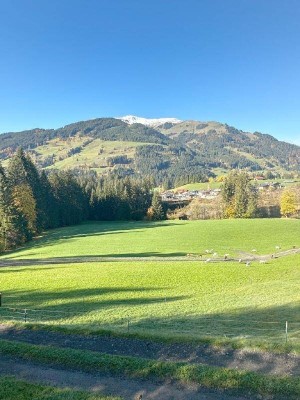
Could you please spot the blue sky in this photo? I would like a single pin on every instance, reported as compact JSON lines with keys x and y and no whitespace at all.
{"x":233,"y":61}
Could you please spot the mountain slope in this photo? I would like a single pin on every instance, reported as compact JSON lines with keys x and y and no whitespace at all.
{"x":227,"y":142}
{"x":165,"y":148}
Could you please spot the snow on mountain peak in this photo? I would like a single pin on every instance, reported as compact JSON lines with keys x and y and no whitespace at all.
{"x":132,"y":119}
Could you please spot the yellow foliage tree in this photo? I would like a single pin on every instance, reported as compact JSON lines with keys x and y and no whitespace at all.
{"x":288,"y":203}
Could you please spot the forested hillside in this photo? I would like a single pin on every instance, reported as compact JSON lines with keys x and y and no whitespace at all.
{"x":184,"y":151}
{"x":32,"y":201}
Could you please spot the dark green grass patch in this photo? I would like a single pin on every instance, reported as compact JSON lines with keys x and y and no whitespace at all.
{"x":14,"y":389}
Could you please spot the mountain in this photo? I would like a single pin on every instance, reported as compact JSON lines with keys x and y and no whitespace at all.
{"x":167,"y":148}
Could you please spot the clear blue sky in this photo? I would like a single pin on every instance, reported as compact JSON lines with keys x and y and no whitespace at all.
{"x":234,"y":61}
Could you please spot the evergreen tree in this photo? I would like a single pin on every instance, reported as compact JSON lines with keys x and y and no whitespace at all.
{"x":156,"y":211}
{"x":48,"y":204}
{"x":22,"y":171}
{"x":13,"y":227}
{"x":24,"y":202}
{"x":239,"y":196}
{"x":72,"y":202}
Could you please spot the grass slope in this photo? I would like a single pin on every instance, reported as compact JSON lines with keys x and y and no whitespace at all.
{"x":93,"y":153}
{"x":162,"y":298}
{"x":166,"y":238}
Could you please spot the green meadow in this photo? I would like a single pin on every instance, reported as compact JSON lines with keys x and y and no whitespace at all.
{"x":166,"y":238}
{"x":163,"y":298}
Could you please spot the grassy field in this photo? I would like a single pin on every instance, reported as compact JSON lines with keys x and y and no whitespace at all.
{"x":162,"y":298}
{"x":166,"y":238}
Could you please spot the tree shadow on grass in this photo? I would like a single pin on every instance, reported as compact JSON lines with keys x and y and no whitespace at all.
{"x":89,"y":258}
{"x":248,"y":323}
{"x":53,"y":237}
{"x":16,"y":269}
{"x":76,"y":303}
{"x":264,"y":326}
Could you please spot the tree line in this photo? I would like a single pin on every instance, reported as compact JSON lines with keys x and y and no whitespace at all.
{"x":32,"y":201}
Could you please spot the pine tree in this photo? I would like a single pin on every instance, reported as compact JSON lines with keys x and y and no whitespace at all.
{"x":72,"y":202}
{"x":48,"y":204}
{"x":239,"y":196}
{"x":13,"y":227}
{"x":22,"y":171}
{"x":24,"y":202}
{"x":156,"y":211}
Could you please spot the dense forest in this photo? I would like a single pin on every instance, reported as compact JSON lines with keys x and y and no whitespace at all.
{"x":32,"y":201}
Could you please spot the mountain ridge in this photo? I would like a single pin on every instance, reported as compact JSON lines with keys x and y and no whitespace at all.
{"x":163,"y":147}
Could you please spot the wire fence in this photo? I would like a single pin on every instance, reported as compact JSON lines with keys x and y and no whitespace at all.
{"x":273,"y":331}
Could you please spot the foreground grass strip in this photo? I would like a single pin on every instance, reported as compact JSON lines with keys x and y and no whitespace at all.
{"x":216,"y":342}
{"x":219,"y":342}
{"x":205,"y":376}
{"x":13,"y":389}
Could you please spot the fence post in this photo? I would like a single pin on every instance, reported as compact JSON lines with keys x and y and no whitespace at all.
{"x":0,"y":299}
{"x":286,"y":331}
{"x":25,"y":315}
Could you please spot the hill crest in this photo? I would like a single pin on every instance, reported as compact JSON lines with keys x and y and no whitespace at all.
{"x":166,"y":148}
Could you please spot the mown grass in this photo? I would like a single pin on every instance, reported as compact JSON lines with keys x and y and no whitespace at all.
{"x":195,"y":300}
{"x":205,"y":376}
{"x":15,"y":389}
{"x":190,"y":299}
{"x":166,"y":238}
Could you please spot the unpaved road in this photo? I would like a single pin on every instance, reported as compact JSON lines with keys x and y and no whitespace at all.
{"x":129,"y":389}
{"x":262,"y":362}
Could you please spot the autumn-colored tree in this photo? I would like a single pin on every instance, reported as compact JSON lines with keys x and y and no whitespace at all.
{"x":288,"y":203}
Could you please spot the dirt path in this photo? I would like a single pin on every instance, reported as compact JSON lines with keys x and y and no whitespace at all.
{"x":128,"y":389}
{"x":244,"y":257}
{"x":262,"y":362}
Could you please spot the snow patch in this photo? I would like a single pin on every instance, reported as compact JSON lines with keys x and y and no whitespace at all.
{"x":132,"y":119}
